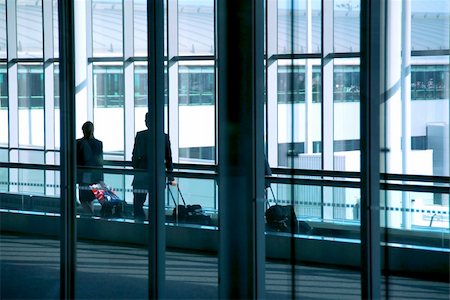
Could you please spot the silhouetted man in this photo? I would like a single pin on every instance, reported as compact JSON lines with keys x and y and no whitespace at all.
{"x":140,"y":161}
{"x":89,"y":154}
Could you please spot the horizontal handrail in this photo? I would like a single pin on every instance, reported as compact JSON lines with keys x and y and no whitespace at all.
{"x":315,"y":177}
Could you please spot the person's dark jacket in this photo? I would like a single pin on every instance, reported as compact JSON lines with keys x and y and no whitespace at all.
{"x":140,"y":158}
{"x":89,"y":154}
{"x":267,"y":172}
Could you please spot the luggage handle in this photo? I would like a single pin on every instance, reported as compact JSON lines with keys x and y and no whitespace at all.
{"x":173,"y":198}
{"x":274,"y":198}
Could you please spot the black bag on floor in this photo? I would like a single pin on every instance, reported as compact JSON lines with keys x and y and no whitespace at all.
{"x":192,"y":214}
{"x":282,"y":218}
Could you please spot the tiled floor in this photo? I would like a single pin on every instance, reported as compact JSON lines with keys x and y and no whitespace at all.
{"x":30,"y":270}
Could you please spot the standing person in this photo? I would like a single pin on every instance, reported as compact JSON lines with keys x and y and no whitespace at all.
{"x":89,"y":154}
{"x":140,"y":161}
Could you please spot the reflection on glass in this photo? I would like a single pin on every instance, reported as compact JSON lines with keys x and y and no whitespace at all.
{"x":294,"y":27}
{"x":196,"y":85}
{"x":55,"y":29}
{"x":29,"y":29}
{"x":107,"y":28}
{"x":109,"y":106}
{"x":195,"y":27}
{"x":346,"y":25}
{"x":30,"y":83}
{"x":196,"y":113}
{"x":140,"y":27}
{"x":430,"y":25}
{"x":2,"y":28}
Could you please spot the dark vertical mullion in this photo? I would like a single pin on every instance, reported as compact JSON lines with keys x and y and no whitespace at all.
{"x":68,"y":159}
{"x":372,"y":90}
{"x":156,"y":171}
{"x":291,"y":99}
{"x":240,"y":72}
{"x":258,"y":148}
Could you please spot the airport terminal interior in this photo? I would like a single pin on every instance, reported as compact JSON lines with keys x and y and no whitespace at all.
{"x":305,"y":155}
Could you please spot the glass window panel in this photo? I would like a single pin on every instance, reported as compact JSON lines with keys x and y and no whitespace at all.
{"x":140,"y":27}
{"x":57,"y":107}
{"x":346,"y":108}
{"x":293,"y":26}
{"x":195,"y":27}
{"x":29,"y":29}
{"x":423,"y":99}
{"x":346,"y":25}
{"x":426,"y":213}
{"x":2,"y":29}
{"x":4,"y":178}
{"x":4,"y":133}
{"x":196,"y":112}
{"x":430,"y":25}
{"x":294,"y":84}
{"x":30,"y":83}
{"x":109,"y":106}
{"x":55,"y":29}
{"x":107,"y":35}
{"x":196,"y":85}
{"x":140,"y":96}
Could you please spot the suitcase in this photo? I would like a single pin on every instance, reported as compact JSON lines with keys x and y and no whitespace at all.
{"x":108,"y":199}
{"x":191,"y":214}
{"x":282,"y":218}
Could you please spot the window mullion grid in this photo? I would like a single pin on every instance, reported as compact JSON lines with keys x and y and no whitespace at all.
{"x":13,"y":102}
{"x":327,"y":101}
{"x":49,"y":92}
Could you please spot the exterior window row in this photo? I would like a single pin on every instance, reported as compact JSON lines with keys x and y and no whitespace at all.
{"x":196,"y":85}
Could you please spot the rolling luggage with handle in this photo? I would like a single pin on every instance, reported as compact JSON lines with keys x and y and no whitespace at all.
{"x":192,"y":214}
{"x":282,"y":218}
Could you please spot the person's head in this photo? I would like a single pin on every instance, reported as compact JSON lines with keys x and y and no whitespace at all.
{"x":147,"y":120}
{"x":88,"y":129}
